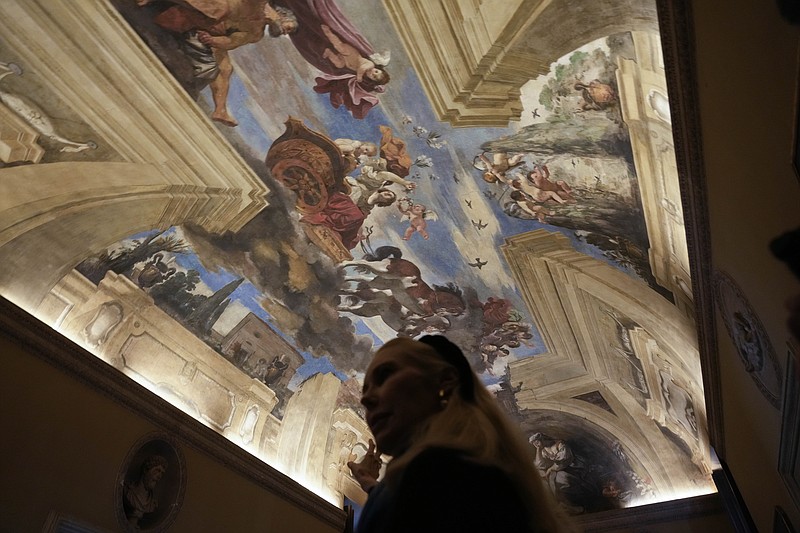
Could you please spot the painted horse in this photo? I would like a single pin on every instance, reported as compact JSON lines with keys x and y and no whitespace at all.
{"x":392,"y":287}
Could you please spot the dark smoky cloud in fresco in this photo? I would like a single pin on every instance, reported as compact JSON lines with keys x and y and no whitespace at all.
{"x":299,"y":284}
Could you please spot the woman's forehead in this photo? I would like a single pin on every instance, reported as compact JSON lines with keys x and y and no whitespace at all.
{"x":392,"y":352}
{"x":396,"y":352}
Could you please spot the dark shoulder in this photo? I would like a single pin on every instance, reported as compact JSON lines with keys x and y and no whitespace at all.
{"x":453,"y":462}
{"x":443,"y":490}
{"x":460,"y":474}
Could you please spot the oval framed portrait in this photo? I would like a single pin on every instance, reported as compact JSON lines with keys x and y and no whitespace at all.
{"x":749,"y":337}
{"x":150,"y":485}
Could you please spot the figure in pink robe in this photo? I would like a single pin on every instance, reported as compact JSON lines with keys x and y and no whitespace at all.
{"x":341,"y":84}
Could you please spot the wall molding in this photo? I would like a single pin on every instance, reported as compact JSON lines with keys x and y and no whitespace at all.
{"x":80,"y":365}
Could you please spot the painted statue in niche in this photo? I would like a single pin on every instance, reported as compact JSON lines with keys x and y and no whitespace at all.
{"x":38,"y":135}
{"x":679,"y":404}
{"x":35,"y":117}
{"x":623,"y":360}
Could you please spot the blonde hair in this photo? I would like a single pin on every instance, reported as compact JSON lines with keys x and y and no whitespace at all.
{"x":482,"y":432}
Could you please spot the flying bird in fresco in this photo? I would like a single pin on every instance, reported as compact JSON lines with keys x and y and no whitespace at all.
{"x":423,"y":161}
{"x":407,"y":120}
{"x":490,"y":194}
{"x":468,"y":202}
{"x":573,"y":163}
{"x":480,"y":224}
{"x":455,"y":178}
{"x":597,"y":181}
{"x":434,"y":140}
{"x":478,"y":263}
{"x":419,"y":131}
{"x":433,"y":177}
{"x":535,"y":113}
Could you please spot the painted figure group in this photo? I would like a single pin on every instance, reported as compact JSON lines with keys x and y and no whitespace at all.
{"x":352,"y":73}
{"x":531,"y":191}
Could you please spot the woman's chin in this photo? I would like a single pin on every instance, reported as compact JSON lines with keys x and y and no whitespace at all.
{"x":385,"y":443}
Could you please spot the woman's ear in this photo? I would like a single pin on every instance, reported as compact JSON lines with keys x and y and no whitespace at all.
{"x":448,"y":380}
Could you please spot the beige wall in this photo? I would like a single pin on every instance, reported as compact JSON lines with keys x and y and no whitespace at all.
{"x":747,"y":68}
{"x":64,"y":444}
{"x":69,"y":442}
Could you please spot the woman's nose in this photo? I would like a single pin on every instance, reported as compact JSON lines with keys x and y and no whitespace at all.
{"x":368,"y":400}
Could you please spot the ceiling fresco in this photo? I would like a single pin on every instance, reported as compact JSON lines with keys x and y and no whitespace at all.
{"x":237,"y":219}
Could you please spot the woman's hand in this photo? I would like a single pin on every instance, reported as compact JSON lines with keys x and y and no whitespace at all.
{"x":366,"y":471}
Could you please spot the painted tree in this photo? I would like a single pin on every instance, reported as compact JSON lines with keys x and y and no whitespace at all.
{"x":123,"y":261}
{"x":175,"y":296}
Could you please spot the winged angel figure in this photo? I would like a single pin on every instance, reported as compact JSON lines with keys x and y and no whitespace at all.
{"x":352,"y":71}
{"x":416,"y":214}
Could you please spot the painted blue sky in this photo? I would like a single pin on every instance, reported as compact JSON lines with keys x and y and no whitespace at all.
{"x":273,"y":82}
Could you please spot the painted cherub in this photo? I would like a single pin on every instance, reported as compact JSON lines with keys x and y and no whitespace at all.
{"x":528,"y":205}
{"x":540,"y":176}
{"x":374,"y":171}
{"x":416,"y":213}
{"x":496,"y":168}
{"x":353,"y":149}
{"x":537,"y":185}
{"x":344,"y":55}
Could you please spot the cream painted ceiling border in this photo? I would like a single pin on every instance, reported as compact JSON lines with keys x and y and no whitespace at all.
{"x":167,"y":177}
{"x":473,"y":57}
